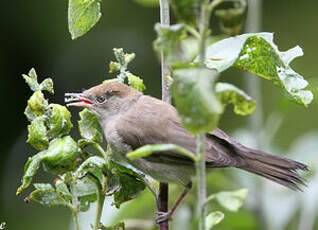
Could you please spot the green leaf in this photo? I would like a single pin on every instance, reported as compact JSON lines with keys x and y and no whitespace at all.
{"x":147,"y":3}
{"x":30,"y":169}
{"x":62,"y":189}
{"x":61,"y":155}
{"x":196,"y":102}
{"x":114,"y":67}
{"x":60,"y":121}
{"x":38,"y":134}
{"x":131,"y":184}
{"x":84,"y":187}
{"x":227,"y":93}
{"x":130,"y":189}
{"x":232,"y":200}
{"x":94,"y":165}
{"x":40,"y":186}
{"x":136,"y":82}
{"x":37,"y":104}
{"x":48,"y":197}
{"x":82,"y":16}
{"x":186,"y":10}
{"x":213,"y":219}
{"x":147,"y":150}
{"x":169,"y":41}
{"x":89,"y":127}
{"x":47,"y":85}
{"x":32,"y":80}
{"x":258,"y":54}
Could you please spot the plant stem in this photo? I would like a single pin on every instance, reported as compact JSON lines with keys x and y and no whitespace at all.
{"x":203,"y":26}
{"x":163,"y":196}
{"x":75,"y":219}
{"x":100,"y":205}
{"x":201,"y":178}
{"x":253,"y":24}
{"x":164,"y":20}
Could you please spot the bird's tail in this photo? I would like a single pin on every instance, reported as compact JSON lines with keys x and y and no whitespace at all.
{"x":278,"y":169}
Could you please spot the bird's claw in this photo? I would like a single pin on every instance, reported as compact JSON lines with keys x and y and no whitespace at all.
{"x":164,"y":216}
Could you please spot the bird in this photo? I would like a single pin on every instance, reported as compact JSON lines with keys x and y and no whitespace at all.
{"x":130,"y":119}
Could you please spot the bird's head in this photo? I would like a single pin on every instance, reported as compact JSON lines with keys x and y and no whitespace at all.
{"x":104,"y":100}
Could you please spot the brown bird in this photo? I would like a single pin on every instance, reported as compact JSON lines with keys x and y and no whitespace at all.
{"x":130,"y":120}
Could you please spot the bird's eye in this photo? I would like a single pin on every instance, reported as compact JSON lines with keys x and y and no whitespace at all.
{"x":101,"y":99}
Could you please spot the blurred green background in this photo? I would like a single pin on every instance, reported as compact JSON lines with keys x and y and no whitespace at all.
{"x":34,"y":34}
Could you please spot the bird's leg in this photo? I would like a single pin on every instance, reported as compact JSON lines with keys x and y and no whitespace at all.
{"x":165,"y":216}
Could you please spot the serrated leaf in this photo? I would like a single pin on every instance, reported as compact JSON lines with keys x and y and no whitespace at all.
{"x":147,"y":150}
{"x":232,"y":200}
{"x":213,"y":219}
{"x":30,"y":169}
{"x":195,"y":99}
{"x":230,"y":94}
{"x":32,"y":80}
{"x":258,"y":54}
{"x":89,"y":126}
{"x":60,"y":121}
{"x":61,"y":155}
{"x":82,"y":16}
{"x":136,"y":82}
{"x":38,"y":134}
{"x":47,"y":85}
{"x":48,"y":197}
{"x":186,"y":10}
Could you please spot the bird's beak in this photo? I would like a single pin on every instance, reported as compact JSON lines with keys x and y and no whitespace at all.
{"x":78,"y":100}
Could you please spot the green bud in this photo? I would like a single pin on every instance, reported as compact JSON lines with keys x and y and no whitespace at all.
{"x":61,"y":155}
{"x":114,"y":67}
{"x":37,"y":103}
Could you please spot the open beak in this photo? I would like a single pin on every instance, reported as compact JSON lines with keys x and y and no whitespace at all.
{"x":78,"y":100}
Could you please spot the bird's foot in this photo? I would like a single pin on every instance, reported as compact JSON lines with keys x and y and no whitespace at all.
{"x":164,"y":216}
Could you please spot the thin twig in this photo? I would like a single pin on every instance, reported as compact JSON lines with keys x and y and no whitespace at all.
{"x":163,"y":187}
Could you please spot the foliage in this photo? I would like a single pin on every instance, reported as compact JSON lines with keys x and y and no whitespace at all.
{"x":196,"y":61}
{"x":82,"y":177}
{"x":123,"y":59}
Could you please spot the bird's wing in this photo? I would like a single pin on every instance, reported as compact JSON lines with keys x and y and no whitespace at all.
{"x":152,"y":121}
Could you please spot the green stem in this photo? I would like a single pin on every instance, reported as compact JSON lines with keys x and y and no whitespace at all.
{"x":101,"y":150}
{"x":163,"y":195}
{"x":100,"y":205}
{"x":75,"y":219}
{"x":201,"y":178}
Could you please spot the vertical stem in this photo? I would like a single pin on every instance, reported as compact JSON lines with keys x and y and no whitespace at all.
{"x":203,"y":26}
{"x":253,"y":24}
{"x":201,"y":178}
{"x":164,"y":20}
{"x":163,"y":196}
{"x":75,"y":219}
{"x":100,"y":205}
